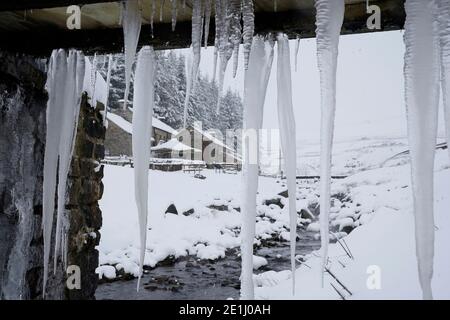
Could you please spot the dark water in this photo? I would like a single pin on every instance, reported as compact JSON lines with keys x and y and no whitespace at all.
{"x":190,"y":278}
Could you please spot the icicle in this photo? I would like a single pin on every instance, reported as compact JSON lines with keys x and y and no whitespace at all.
{"x":297,"y":48}
{"x":54,"y":85}
{"x":64,"y":83}
{"x":152,"y":16}
{"x":188,"y":87}
{"x":192,"y":65}
{"x":275,"y":5}
{"x":256,"y":80}
{"x":207,"y":20}
{"x":108,"y":83}
{"x":161,"y":9}
{"x":216,"y":56}
{"x":131,"y":21}
{"x":174,"y":14}
{"x":196,"y":36}
{"x":223,"y":17}
{"x":422,"y":101}
{"x":329,"y":19}
{"x":286,"y":122}
{"x":143,"y":103}
{"x":248,"y":18}
{"x":443,"y":17}
{"x":69,"y":112}
{"x":235,"y":31}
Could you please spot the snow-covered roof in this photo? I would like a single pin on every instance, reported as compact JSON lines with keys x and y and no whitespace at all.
{"x":127,"y":126}
{"x":174,"y":145}
{"x":121,"y":122}
{"x":210,"y":137}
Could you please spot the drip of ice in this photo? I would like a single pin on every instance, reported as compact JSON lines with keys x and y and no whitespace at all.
{"x":443,"y":18}
{"x":286,"y":122}
{"x":188,"y":87}
{"x":131,"y":21}
{"x":193,"y":63}
{"x":143,"y":103}
{"x":256,"y":80}
{"x":108,"y":85}
{"x":223,"y":19}
{"x":275,"y":5}
{"x":422,"y":101}
{"x":235,"y":31}
{"x":152,"y":16}
{"x":161,"y":9}
{"x":248,"y":18}
{"x":207,"y":20}
{"x":174,"y":14}
{"x":297,"y":48}
{"x":329,"y":19}
{"x":64,"y":83}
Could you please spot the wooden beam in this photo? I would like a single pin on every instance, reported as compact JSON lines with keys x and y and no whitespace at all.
{"x":41,"y":40}
{"x":12,"y":5}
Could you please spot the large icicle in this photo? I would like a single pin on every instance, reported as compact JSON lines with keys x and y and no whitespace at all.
{"x":286,"y":122}
{"x":329,"y":19}
{"x":248,"y":18}
{"x":69,"y":119}
{"x":235,"y":31}
{"x":256,"y":80}
{"x":223,"y":18}
{"x":54,"y":85}
{"x":143,"y":102}
{"x":422,"y":101}
{"x":131,"y":21}
{"x":64,"y":84}
{"x":193,"y":66}
{"x":443,"y":17}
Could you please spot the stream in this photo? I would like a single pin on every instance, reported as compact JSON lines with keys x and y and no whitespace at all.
{"x":189,"y":278}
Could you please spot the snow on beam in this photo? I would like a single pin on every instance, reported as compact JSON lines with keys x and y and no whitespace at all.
{"x":40,"y":40}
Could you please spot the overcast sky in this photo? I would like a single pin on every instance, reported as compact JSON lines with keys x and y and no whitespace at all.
{"x":370,"y":92}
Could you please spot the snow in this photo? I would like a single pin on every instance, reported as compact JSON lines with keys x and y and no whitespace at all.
{"x":288,"y":133}
{"x":259,"y":262}
{"x":329,"y":19}
{"x":422,"y":100}
{"x":142,"y":127}
{"x":174,"y":145}
{"x":260,"y":64}
{"x":384,"y":242}
{"x":131,"y":21}
{"x":126,"y":126}
{"x":108,"y":272}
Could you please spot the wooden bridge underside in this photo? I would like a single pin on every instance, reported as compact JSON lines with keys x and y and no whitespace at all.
{"x":38,"y":26}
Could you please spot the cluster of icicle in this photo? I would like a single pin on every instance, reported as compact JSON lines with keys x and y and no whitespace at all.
{"x":64,"y":85}
{"x":329,"y":19}
{"x":234,"y":24}
{"x":256,"y":80}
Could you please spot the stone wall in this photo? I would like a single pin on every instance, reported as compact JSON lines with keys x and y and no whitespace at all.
{"x":23,"y":102}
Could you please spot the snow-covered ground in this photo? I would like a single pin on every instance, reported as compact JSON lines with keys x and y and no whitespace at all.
{"x":376,"y":200}
{"x":384,"y":262}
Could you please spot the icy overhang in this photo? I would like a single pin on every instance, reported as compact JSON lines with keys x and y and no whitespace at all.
{"x":38,"y":26}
